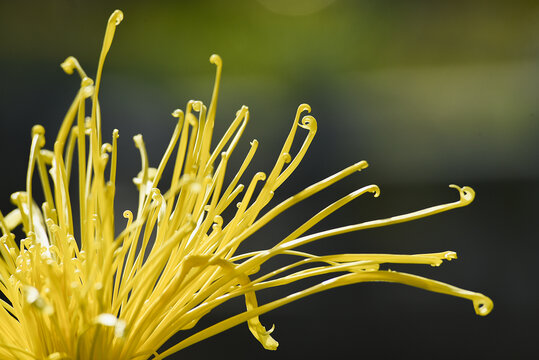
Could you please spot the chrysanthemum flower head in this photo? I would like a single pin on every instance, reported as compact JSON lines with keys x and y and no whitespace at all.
{"x":99,"y":293}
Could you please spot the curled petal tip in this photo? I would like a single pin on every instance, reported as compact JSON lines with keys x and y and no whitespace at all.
{"x":216,"y":59}
{"x":375,"y":189}
{"x":244,"y":109}
{"x":117,"y":16}
{"x":68,"y":65}
{"x":308,"y":122}
{"x":362,"y":165}
{"x":86,"y":82}
{"x":38,"y":130}
{"x":177,"y":113}
{"x":197,"y":105}
{"x":304,"y":107}
{"x":483,"y":305}
{"x":87,"y":91}
{"x":286,"y":158}
{"x":450,"y":255}
{"x":218,"y":221}
{"x":260,"y":176}
{"x":106,"y":147}
{"x":467,"y":194}
{"x":264,"y":337}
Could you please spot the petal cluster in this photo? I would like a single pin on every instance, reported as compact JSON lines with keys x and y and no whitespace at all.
{"x":98,"y":292}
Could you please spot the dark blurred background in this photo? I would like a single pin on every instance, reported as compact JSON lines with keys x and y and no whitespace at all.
{"x":430,"y":93}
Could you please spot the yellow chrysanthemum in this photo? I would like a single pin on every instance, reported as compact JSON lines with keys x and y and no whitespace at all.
{"x":98,"y":295}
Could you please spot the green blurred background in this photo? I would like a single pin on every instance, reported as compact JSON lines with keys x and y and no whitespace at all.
{"x":430,"y":93}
